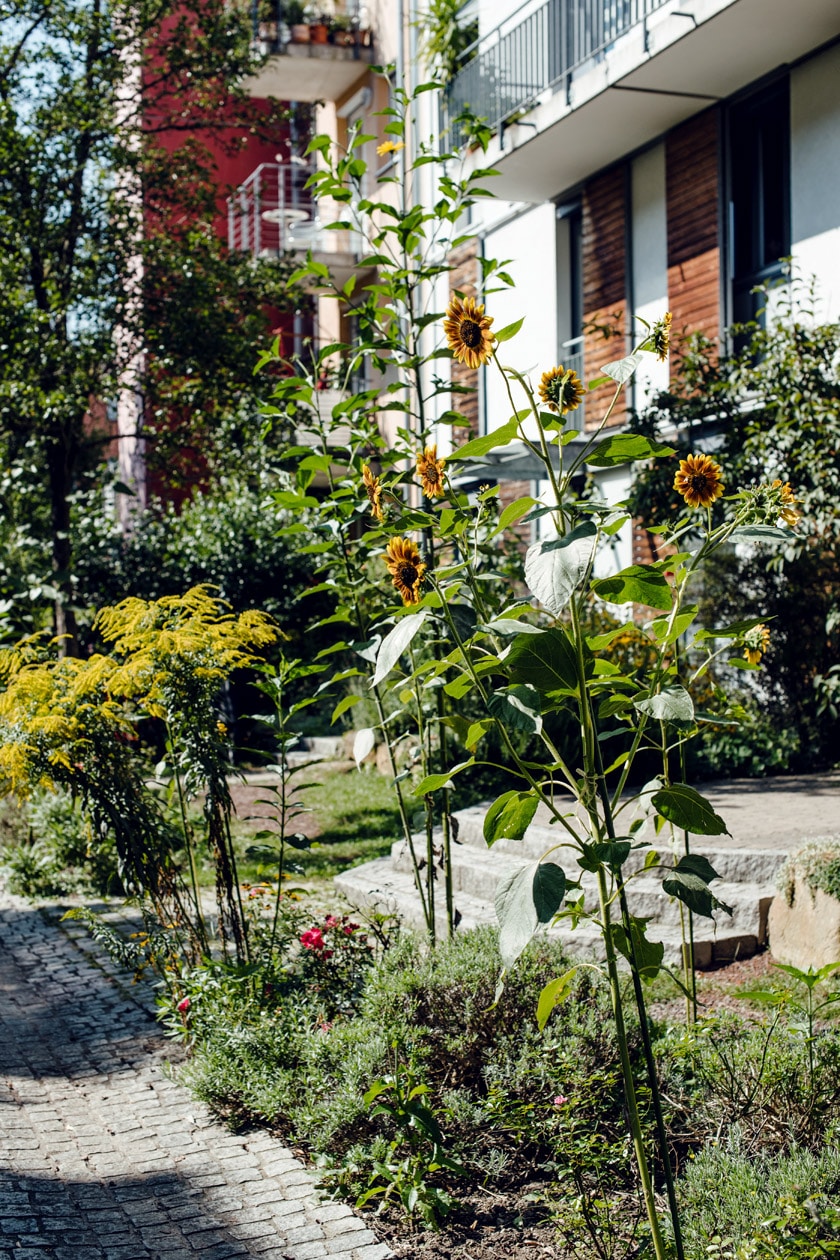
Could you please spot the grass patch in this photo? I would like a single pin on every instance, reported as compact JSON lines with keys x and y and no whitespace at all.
{"x":355,"y":816}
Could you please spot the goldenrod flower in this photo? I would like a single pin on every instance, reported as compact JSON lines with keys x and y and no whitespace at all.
{"x":373,"y":488}
{"x":430,"y":472}
{"x":787,"y":504}
{"x":406,"y":568}
{"x":467,"y":330}
{"x":756,"y":643}
{"x":561,"y":390}
{"x":699,"y":481}
{"x":389,"y":146}
{"x":660,"y":337}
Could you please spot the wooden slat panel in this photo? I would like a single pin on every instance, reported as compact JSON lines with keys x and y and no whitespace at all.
{"x":604,"y":284}
{"x":463,"y":277}
{"x":694,"y":255}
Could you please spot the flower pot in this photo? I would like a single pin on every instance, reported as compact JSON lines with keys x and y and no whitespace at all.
{"x":318,"y":33}
{"x":268,"y":32}
{"x":365,"y":39}
{"x":300,"y":33}
{"x":344,"y":39}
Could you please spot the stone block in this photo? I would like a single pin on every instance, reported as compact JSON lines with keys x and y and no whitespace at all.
{"x":807,"y":932}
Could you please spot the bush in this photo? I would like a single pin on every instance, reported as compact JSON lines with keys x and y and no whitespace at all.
{"x":63,"y":853}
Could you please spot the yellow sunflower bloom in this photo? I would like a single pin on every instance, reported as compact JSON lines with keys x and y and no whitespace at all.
{"x":788,"y":510}
{"x":561,"y":390}
{"x":756,"y":643}
{"x":467,"y":330}
{"x":699,"y":481}
{"x":430,"y":472}
{"x":389,"y":146}
{"x":406,"y":568}
{"x":373,"y":488}
{"x":660,"y":337}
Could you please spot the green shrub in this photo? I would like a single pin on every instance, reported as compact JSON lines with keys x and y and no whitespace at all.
{"x":729,"y":1190}
{"x":63,"y":852}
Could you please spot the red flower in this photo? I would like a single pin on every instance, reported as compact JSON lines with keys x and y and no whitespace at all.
{"x":351,"y":928}
{"x":184,"y":1005}
{"x":331,"y":921}
{"x":312,"y":939}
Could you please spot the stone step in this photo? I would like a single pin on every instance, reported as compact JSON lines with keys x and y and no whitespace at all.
{"x":750,"y":902}
{"x":377,"y":886}
{"x":732,"y":861}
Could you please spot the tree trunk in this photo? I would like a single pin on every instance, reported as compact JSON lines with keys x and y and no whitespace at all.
{"x":61,"y":460}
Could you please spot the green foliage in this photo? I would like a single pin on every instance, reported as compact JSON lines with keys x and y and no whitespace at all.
{"x":775,"y":403}
{"x":446,"y":38}
{"x":741,"y":1206}
{"x":816,"y":864}
{"x":61,"y":853}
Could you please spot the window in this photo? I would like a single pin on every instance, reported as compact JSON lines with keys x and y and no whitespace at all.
{"x":759,"y":195}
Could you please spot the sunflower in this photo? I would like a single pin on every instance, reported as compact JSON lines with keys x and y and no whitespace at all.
{"x":389,"y":146}
{"x":756,"y":643}
{"x":660,"y":337}
{"x":430,"y":472}
{"x":467,"y":330}
{"x":561,"y":390}
{"x":406,"y":568}
{"x":788,"y":501}
{"x":373,"y":488}
{"x":699,"y":481}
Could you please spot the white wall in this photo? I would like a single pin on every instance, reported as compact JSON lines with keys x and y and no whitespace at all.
{"x":649,"y":262}
{"x":530,"y":241}
{"x":815,"y":174}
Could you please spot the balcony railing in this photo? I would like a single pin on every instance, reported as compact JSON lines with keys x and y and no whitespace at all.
{"x":536,"y":50}
{"x":273,"y":213}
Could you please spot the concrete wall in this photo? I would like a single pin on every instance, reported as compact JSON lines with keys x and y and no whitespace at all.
{"x":815,"y":174}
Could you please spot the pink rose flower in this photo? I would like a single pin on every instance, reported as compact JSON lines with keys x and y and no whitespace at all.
{"x":560,"y":1100}
{"x":184,"y":1005}
{"x":312,"y":939}
{"x":331,"y":921}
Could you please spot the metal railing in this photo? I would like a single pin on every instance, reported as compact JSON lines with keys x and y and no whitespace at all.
{"x":571,"y":357}
{"x":279,"y":23}
{"x":273,"y":212}
{"x":535,"y":50}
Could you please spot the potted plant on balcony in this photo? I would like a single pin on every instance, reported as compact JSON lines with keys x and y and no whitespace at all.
{"x":319,"y":28}
{"x":295,"y":16}
{"x":341,"y":31}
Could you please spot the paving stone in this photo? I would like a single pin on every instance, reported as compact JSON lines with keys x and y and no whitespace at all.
{"x":107,"y":1157}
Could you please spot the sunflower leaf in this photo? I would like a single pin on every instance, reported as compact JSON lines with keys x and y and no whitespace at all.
{"x":502,"y":436}
{"x":526,"y":898}
{"x":395,"y":643}
{"x":510,"y":330}
{"x":553,"y":569}
{"x":621,"y":370}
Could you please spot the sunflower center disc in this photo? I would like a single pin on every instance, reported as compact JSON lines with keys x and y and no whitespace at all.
{"x":470,"y":334}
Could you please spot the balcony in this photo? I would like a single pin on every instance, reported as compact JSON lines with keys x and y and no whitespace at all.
{"x":273,"y":213}
{"x":309,"y":59}
{"x":570,"y":86}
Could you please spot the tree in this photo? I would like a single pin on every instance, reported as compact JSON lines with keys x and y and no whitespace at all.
{"x":113,"y":279}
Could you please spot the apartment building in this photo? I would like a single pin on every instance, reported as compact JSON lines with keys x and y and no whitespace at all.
{"x":653,"y":155}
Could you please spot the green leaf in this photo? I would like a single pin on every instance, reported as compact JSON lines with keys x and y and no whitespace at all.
{"x":688,"y":810}
{"x":625,"y":448}
{"x":660,"y":625}
{"x":613,"y":853}
{"x":553,"y":569}
{"x":689,"y":883}
{"x":598,"y":641}
{"x":555,"y":992}
{"x":621,"y":370}
{"x":638,"y":584}
{"x":514,"y":512}
{"x":510,"y":816}
{"x":363,"y":745}
{"x":648,"y":955}
{"x":733,"y":631}
{"x":510,"y":625}
{"x":343,"y":705}
{"x":763,"y":533}
{"x":510,"y":330}
{"x":434,"y":782}
{"x":526,"y":898}
{"x":672,"y":704}
{"x":502,"y":436}
{"x":547,"y":661}
{"x":517,"y":707}
{"x":395,"y":643}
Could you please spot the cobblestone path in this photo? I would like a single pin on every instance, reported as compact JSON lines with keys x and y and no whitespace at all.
{"x":103,"y":1156}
